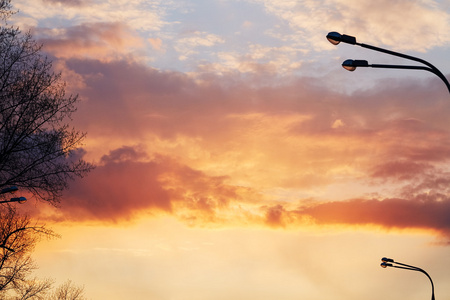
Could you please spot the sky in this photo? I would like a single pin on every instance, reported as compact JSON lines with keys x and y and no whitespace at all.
{"x":235,"y":157}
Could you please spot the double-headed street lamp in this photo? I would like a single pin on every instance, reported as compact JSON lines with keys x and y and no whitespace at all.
{"x":351,"y":65}
{"x":12,"y":190}
{"x":389,"y":262}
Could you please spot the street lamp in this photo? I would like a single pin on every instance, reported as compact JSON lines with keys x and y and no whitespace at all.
{"x":17,"y":199}
{"x":335,"y":38}
{"x":12,"y":190}
{"x":389,"y":262}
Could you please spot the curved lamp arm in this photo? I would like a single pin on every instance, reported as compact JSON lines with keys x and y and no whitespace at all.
{"x":351,"y":65}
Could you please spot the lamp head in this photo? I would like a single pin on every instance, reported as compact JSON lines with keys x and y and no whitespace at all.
{"x":387,"y":260}
{"x":11,"y":189}
{"x":19,"y":199}
{"x":351,"y":64}
{"x":335,"y":38}
{"x":385,"y":264}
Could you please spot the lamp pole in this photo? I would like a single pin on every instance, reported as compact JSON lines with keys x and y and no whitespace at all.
{"x":389,"y":262}
{"x":335,"y":38}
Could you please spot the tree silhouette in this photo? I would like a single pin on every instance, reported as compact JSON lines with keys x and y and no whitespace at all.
{"x":38,"y":149}
{"x":68,"y":291}
{"x":18,"y":237}
{"x":38,"y":154}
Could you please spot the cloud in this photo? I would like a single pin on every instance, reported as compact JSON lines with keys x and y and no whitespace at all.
{"x":429,"y":212}
{"x":228,"y":125}
{"x":127,"y":183}
{"x":116,"y":189}
{"x":286,"y":37}
{"x":68,"y":2}
{"x":243,"y":141}
{"x":367,"y":20}
{"x":219,"y":151}
{"x":139,"y":14}
{"x":156,"y":43}
{"x":230,"y":150}
{"x":188,"y":44}
{"x":400,"y":170}
{"x":422,"y":204}
{"x":90,"y":40}
{"x":258,"y":59}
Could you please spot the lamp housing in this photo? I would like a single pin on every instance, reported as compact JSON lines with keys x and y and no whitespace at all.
{"x":19,"y":199}
{"x":335,"y":38}
{"x":11,"y":189}
{"x":351,"y":64}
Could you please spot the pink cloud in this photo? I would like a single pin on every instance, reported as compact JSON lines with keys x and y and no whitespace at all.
{"x":116,"y":189}
{"x":422,"y":212}
{"x":422,"y":205}
{"x":125,"y":99}
{"x":68,"y":2}
{"x":126,"y":182}
{"x":170,"y":102}
{"x":99,"y":40}
{"x":399,"y":170}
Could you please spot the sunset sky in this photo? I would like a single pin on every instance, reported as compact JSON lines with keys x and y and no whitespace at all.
{"x":235,"y":157}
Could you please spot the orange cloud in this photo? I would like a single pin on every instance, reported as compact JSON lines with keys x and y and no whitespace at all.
{"x":430,"y":212}
{"x":225,"y":150}
{"x":127,"y":182}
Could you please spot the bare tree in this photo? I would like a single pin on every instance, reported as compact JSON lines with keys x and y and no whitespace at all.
{"x":5,"y":9}
{"x":38,"y":149}
{"x":68,"y":291}
{"x":43,"y":290}
{"x":33,"y":289}
{"x":38,"y":153}
{"x":18,"y":237}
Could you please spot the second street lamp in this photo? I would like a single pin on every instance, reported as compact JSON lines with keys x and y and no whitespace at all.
{"x":389,"y":262}
{"x":335,"y":38}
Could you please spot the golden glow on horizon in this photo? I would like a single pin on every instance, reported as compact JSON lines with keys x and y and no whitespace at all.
{"x":164,"y":257}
